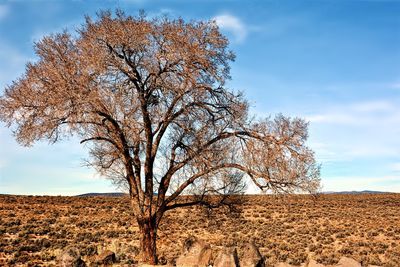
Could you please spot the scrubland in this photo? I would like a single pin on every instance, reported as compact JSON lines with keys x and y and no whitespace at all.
{"x":34,"y":229}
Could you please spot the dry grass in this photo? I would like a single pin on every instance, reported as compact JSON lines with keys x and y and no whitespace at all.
{"x":33,"y":230}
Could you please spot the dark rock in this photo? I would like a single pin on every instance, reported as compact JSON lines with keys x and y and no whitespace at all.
{"x":106,"y":258}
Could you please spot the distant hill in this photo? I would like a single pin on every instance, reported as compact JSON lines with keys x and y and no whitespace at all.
{"x":356,"y":192}
{"x":119,"y":194}
{"x":115,"y":194}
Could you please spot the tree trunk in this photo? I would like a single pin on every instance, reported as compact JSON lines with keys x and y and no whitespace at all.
{"x":148,"y":235}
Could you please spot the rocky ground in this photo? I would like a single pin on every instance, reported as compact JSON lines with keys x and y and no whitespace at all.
{"x":198,"y":253}
{"x":35,"y":231}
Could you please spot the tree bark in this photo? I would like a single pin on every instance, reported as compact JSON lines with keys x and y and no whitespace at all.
{"x":148,"y":236}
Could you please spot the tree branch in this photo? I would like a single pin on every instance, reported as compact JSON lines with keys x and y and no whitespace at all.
{"x":100,"y":138}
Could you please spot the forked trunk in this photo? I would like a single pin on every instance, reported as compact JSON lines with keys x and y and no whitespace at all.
{"x":148,"y":236}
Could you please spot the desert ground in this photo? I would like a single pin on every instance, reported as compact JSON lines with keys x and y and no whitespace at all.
{"x":366,"y":227}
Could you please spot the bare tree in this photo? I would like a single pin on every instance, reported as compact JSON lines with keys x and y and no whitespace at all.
{"x":148,"y":98}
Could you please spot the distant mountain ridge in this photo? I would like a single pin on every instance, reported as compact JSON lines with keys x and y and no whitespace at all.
{"x":119,"y":194}
{"x":356,"y":192}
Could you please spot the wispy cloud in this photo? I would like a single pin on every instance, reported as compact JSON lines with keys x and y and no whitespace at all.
{"x":3,"y":11}
{"x":361,"y":130}
{"x":233,"y":25}
{"x":2,"y":163}
{"x":325,"y":154}
{"x":368,"y":112}
{"x":395,"y":85}
{"x":334,"y":118}
{"x":374,"y":106}
{"x":395,"y":167}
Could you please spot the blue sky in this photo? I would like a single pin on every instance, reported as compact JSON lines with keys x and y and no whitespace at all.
{"x":335,"y":63}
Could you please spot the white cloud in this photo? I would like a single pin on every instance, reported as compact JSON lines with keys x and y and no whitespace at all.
{"x":3,"y":11}
{"x":167,"y":11}
{"x":395,"y":167}
{"x":395,"y":85}
{"x":358,"y":113}
{"x":335,"y":118}
{"x":356,"y":131}
{"x":325,"y":155}
{"x":2,"y":163}
{"x":374,"y":106}
{"x":232,"y":24}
